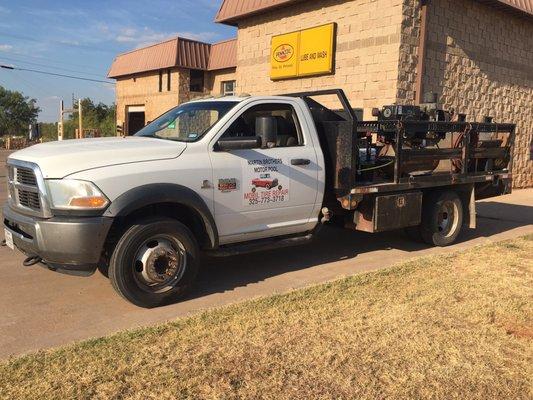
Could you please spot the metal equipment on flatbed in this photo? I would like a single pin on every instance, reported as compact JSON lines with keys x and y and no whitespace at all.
{"x":381,"y":169}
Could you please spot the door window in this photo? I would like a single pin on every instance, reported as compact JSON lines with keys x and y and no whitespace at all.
{"x":289,"y":133}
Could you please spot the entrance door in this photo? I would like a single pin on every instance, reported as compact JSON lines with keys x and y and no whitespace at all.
{"x":266,"y":192}
{"x":136,"y":119}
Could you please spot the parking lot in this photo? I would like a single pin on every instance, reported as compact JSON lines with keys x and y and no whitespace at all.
{"x":42,"y":309}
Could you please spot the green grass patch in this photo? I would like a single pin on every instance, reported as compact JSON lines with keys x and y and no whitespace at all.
{"x":451,"y":326}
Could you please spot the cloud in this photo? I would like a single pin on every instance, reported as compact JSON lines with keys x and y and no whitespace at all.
{"x":147,"y":36}
{"x":70,"y":42}
{"x":55,"y":13}
{"x":6,"y":47}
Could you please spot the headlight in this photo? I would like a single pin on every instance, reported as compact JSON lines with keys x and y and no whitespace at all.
{"x":75,"y":195}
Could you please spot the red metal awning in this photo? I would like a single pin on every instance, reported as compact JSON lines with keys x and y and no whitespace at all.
{"x":231,"y":11}
{"x":176,"y":52}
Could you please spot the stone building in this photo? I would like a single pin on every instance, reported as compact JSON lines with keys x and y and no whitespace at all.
{"x":473,"y":56}
{"x":154,"y":79}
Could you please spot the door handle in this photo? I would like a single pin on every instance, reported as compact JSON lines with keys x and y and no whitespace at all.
{"x":300,"y":161}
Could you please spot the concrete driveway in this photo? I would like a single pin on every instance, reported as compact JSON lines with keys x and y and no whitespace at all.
{"x":42,"y":309}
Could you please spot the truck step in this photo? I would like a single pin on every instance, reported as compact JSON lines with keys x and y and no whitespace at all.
{"x":261,"y":245}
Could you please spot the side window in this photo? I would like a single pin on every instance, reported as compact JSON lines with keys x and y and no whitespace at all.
{"x":285,"y":120}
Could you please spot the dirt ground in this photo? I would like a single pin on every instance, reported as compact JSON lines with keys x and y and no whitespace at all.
{"x":41,"y":309}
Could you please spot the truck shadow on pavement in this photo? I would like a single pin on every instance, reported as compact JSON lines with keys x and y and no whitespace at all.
{"x":336,"y":244}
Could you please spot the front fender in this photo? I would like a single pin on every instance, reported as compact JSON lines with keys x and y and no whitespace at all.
{"x":159,"y":193}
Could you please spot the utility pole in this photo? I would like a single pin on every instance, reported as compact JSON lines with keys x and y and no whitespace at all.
{"x":60,"y":124}
{"x":80,"y":113}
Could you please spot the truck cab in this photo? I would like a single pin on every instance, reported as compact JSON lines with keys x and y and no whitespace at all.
{"x":222,"y":176}
{"x":220,"y":171}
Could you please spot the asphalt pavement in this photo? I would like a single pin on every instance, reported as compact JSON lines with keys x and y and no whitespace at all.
{"x":41,"y":309}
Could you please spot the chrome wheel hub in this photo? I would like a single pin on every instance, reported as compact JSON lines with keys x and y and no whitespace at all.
{"x":160,"y":264}
{"x":447,"y":220}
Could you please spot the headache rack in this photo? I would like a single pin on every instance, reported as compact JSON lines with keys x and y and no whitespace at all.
{"x":390,"y":155}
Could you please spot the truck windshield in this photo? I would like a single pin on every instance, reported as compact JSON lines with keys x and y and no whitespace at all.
{"x":188,"y":122}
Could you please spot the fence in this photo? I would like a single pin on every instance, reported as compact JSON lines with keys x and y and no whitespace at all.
{"x":10,"y":143}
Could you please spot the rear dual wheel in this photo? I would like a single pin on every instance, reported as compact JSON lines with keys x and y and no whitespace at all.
{"x":155,"y":262}
{"x":442,"y":219}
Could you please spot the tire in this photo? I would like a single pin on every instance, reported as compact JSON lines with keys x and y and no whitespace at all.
{"x":442,"y":218}
{"x":155,"y":262}
{"x":268,"y":187}
{"x":280,"y":187}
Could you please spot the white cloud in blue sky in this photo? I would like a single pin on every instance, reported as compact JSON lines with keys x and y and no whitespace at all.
{"x":82,"y":36}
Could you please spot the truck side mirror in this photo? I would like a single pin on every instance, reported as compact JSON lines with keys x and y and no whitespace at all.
{"x":238,"y":143}
{"x":267,"y":129}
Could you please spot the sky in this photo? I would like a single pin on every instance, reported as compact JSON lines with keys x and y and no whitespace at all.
{"x":82,"y":38}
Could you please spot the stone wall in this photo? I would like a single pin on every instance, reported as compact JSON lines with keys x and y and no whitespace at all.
{"x":367,"y":53}
{"x":479,"y":62}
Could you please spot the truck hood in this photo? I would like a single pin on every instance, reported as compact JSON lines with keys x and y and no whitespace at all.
{"x":60,"y":159}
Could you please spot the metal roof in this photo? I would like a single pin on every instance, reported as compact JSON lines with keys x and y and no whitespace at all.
{"x":524,"y":6}
{"x":176,"y":52}
{"x":223,"y":55}
{"x":231,"y":11}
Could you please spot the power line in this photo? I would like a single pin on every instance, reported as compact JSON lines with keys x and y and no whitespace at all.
{"x":46,"y":65}
{"x":49,"y":60}
{"x":9,"y":67}
{"x":34,"y":87}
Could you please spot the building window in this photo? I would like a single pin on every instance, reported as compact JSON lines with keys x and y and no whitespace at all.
{"x":160,"y":81}
{"x":197,"y":81}
{"x":169,"y":83}
{"x":228,"y":88}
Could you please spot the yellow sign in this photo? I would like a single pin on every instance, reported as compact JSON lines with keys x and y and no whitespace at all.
{"x":285,"y":56}
{"x":303,"y":53}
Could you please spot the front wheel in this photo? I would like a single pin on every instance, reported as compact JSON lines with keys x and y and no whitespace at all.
{"x":155,"y":262}
{"x":442,"y":218}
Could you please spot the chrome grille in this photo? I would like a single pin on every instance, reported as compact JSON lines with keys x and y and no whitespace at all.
{"x":29,"y":199}
{"x":26,"y":188}
{"x":26,"y":177}
{"x":10,"y":172}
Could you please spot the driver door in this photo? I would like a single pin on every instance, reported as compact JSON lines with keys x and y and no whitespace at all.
{"x":266,"y":192}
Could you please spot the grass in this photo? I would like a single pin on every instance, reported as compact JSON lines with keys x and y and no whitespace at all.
{"x":448,"y":327}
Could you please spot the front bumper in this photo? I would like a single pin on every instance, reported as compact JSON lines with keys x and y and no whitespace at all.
{"x":67,"y":244}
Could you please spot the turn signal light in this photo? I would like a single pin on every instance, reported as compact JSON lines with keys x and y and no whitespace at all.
{"x":88,"y":202}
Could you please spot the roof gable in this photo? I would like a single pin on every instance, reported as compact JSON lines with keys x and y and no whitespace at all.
{"x":231,"y":11}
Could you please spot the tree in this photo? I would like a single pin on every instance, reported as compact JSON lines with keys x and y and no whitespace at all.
{"x":17,"y":112}
{"x":95,"y":116}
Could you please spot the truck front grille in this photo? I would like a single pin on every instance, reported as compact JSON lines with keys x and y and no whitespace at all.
{"x":26,"y":177}
{"x":29,"y":200}
{"x":23,"y":186}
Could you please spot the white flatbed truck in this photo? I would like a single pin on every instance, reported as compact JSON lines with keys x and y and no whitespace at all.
{"x":241,"y":174}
